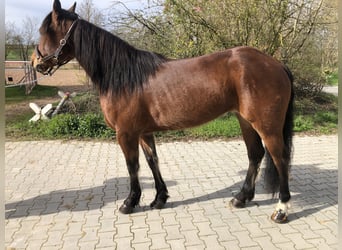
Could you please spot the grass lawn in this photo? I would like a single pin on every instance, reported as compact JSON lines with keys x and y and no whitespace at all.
{"x":17,"y":94}
{"x":332,"y":79}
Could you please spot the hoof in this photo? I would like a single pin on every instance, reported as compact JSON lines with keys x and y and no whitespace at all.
{"x":160,"y":201}
{"x":279,"y":216}
{"x":237,"y":203}
{"x":157,"y":204}
{"x":126,"y":209}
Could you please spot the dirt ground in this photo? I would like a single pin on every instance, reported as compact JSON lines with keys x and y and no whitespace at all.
{"x":66,"y":80}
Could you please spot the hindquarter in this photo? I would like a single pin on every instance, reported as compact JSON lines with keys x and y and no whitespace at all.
{"x":264,"y":90}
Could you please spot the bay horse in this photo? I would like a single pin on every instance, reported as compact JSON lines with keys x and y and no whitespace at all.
{"x":141,"y":92}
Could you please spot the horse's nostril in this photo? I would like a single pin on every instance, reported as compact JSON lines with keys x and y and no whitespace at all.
{"x":40,"y":68}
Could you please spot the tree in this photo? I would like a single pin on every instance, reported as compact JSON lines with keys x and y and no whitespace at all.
{"x":23,"y":39}
{"x":327,"y":32}
{"x":146,"y":27}
{"x":88,"y":11}
{"x":10,"y":33}
{"x":293,"y":31}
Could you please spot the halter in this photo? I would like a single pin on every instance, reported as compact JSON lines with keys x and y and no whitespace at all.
{"x":55,"y":56}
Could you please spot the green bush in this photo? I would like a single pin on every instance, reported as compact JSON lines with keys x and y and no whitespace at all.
{"x":70,"y":126}
{"x":325,"y":117}
{"x":91,"y":125}
{"x":59,"y":126}
{"x":87,"y":102}
{"x":326,"y":121}
{"x":303,"y":123}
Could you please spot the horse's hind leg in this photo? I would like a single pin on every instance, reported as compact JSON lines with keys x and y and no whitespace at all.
{"x":279,"y":158}
{"x":130,"y":147}
{"x":255,"y":152}
{"x":148,"y":146}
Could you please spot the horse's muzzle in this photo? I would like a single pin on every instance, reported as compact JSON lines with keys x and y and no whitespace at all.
{"x":42,"y":69}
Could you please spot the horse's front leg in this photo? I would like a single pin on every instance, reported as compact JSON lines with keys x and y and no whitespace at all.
{"x":130,"y":147}
{"x":149,"y":148}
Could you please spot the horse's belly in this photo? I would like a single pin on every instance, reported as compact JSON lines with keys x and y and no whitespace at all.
{"x":188,"y":112}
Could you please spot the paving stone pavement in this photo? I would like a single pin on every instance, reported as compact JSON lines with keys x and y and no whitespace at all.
{"x":66,"y":195}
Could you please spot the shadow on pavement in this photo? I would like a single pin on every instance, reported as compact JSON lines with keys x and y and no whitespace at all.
{"x":312,"y":189}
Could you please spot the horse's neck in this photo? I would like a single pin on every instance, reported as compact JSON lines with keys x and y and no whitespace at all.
{"x":113,"y":64}
{"x":92,"y":50}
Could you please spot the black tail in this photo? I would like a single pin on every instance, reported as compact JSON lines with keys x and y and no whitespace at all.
{"x":271,"y":173}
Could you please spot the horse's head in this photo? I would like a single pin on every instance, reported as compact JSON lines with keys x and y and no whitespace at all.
{"x":55,"y":46}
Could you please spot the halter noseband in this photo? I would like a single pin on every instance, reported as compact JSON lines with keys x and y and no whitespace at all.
{"x":55,"y":56}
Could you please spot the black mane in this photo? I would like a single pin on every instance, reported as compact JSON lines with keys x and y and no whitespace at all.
{"x":112,"y":64}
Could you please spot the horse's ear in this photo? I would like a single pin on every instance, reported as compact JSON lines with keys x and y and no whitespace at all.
{"x":72,"y":8}
{"x":57,"y":6}
{"x":57,"y":9}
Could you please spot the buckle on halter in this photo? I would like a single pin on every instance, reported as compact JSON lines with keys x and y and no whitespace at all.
{"x":62,"y":42}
